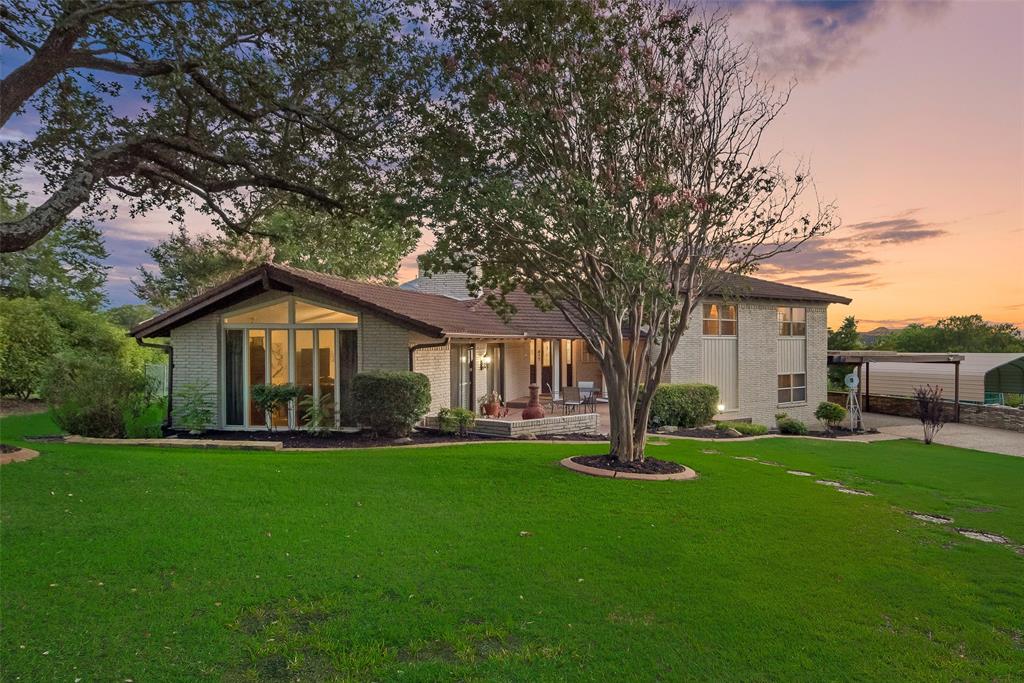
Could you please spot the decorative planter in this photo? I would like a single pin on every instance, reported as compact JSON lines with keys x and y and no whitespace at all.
{"x":533,"y":410}
{"x":492,"y":409}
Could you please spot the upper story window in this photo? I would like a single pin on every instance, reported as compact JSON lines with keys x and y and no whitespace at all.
{"x":720,"y":320}
{"x":792,"y":321}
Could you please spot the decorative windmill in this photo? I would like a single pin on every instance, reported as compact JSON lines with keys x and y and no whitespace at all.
{"x":852,"y":381}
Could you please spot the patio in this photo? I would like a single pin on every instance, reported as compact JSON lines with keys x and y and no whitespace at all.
{"x":600,"y":408}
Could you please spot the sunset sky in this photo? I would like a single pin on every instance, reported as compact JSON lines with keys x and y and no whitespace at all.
{"x":911,"y":116}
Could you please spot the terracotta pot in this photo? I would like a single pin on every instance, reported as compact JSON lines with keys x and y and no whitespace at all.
{"x":492,"y":409}
{"x":533,"y":410}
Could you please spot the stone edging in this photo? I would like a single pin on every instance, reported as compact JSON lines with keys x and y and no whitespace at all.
{"x":686,"y":475}
{"x":241,"y":445}
{"x":19,"y":455}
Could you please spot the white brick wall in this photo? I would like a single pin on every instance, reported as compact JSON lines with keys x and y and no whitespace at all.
{"x":435,"y":363}
{"x":196,"y":360}
{"x":383,"y":345}
{"x":758,"y":361}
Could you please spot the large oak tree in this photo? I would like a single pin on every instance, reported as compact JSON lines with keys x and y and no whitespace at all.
{"x":604,"y":156}
{"x":235,"y":105}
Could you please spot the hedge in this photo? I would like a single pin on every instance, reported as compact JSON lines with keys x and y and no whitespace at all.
{"x":684,"y":405}
{"x":390,"y":403}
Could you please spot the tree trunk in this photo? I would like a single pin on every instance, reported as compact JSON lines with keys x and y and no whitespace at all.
{"x":627,"y":438}
{"x":25,"y":81}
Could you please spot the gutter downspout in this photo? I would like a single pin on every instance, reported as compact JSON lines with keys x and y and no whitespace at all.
{"x":431,"y":345}
{"x":169,"y":350}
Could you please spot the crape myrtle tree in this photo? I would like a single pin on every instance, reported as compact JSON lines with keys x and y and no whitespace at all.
{"x":227,"y":104}
{"x":604,"y":157}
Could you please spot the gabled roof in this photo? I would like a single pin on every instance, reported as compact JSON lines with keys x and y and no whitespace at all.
{"x":432,"y":314}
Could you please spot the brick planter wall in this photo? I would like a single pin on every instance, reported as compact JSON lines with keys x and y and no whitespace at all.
{"x":582,"y":423}
{"x":997,"y":417}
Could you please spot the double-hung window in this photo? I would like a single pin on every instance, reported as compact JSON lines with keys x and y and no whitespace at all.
{"x":792,"y":321}
{"x":720,"y":320}
{"x":792,"y":388}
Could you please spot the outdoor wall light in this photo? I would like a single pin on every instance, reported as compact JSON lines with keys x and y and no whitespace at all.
{"x":485,"y":360}
{"x":721,"y":407}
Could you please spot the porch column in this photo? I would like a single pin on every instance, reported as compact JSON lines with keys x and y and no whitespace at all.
{"x":556,"y":369}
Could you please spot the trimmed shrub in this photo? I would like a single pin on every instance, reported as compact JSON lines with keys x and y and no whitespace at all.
{"x":744,"y":428}
{"x":455,"y":420}
{"x":390,"y":403}
{"x":684,"y":405}
{"x":92,"y":397}
{"x":149,"y":424}
{"x":273,"y":397}
{"x":830,"y":414}
{"x":791,"y":426}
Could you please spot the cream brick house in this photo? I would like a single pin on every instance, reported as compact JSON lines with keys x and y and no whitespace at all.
{"x":765,"y":348}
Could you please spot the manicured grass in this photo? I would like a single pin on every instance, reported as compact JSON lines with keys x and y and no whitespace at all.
{"x":410,"y":565}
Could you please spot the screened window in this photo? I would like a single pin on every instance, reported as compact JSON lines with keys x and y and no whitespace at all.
{"x":274,"y":314}
{"x":792,"y":388}
{"x":792,"y":321}
{"x":720,"y":320}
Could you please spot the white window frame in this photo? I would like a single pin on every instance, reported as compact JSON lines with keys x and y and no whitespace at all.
{"x":705,"y":318}
{"x":791,"y":388}
{"x":291,"y":326}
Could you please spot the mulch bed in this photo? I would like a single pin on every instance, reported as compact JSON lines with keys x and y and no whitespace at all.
{"x":648,"y":466}
{"x":4,"y":448}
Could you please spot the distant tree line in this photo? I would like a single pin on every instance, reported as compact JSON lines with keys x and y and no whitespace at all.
{"x":955,"y":334}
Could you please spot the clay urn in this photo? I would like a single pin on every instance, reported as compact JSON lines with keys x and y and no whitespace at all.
{"x":533,"y":409}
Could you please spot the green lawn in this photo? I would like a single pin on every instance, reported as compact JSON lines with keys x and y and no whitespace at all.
{"x":175,"y":565}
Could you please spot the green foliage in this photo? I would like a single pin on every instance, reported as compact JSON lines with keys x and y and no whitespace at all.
{"x":90,"y":396}
{"x":830,"y":414}
{"x":29,"y":339}
{"x":846,"y":337}
{"x":357,"y":248}
{"x":195,"y":409}
{"x":67,"y":263}
{"x":390,"y":403}
{"x":1014,"y":400}
{"x":744,"y":428}
{"x":684,"y":405}
{"x":791,"y":425}
{"x":128,"y":316}
{"x":273,"y":397}
{"x":456,"y":420}
{"x":316,"y":415}
{"x":235,"y":106}
{"x":149,"y":423}
{"x":956,"y":334}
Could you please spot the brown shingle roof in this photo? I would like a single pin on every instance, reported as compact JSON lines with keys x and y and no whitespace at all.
{"x":432,"y":314}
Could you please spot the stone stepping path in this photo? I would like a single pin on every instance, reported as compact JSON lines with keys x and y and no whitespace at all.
{"x":710,"y":451}
{"x":974,"y":534}
{"x":984,"y":536}
{"x":853,"y":492}
{"x":933,"y":519}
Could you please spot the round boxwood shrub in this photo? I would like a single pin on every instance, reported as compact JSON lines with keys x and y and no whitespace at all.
{"x":684,"y":405}
{"x":390,"y":403}
{"x":791,"y":426}
{"x":831,"y":414}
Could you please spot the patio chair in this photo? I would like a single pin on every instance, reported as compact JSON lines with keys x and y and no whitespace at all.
{"x":571,"y":399}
